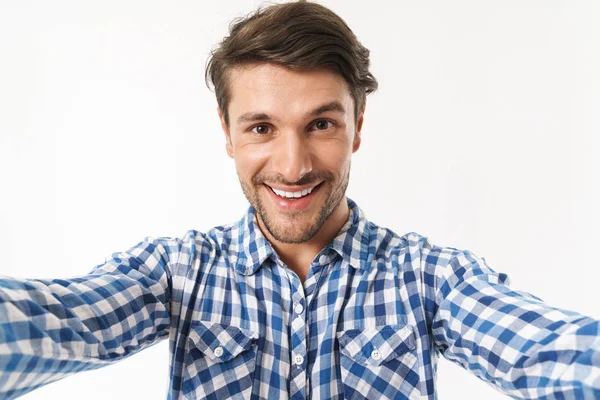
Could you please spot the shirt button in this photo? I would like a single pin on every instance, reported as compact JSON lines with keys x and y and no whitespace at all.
{"x":299,"y":309}
{"x":375,"y":355}
{"x":323,"y":259}
{"x":218,"y":351}
{"x":298,"y":360}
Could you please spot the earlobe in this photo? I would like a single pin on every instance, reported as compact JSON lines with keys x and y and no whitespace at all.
{"x":356,"y":143}
{"x":228,"y":145}
{"x":359,"y":125}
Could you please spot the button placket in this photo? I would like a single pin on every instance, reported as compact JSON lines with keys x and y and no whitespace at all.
{"x":298,"y":384}
{"x":298,"y":308}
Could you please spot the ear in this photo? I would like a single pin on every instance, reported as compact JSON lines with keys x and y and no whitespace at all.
{"x":359,"y":124}
{"x":228,"y":145}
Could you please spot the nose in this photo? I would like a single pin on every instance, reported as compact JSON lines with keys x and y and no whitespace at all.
{"x":292,"y":158}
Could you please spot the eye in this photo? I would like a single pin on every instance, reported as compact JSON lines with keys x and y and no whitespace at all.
{"x":260,"y":129}
{"x":322,"y":124}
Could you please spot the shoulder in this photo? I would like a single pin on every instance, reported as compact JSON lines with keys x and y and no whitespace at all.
{"x":416,"y":252}
{"x":215,"y":240}
{"x":411,"y":246}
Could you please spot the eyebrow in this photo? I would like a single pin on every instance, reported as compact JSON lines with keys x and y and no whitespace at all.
{"x":260,"y":116}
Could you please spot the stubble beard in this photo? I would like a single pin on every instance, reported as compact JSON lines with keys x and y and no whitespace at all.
{"x":286,"y":231}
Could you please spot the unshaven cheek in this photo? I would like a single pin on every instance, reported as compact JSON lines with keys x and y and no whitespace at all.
{"x":250,"y":159}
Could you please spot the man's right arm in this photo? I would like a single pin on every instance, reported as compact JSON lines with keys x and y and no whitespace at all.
{"x":50,"y":329}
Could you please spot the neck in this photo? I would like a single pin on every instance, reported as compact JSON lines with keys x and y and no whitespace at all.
{"x":298,"y":256}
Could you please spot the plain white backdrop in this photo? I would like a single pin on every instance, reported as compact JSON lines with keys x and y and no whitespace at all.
{"x":483,"y":136}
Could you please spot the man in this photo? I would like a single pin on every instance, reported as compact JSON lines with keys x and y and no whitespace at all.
{"x":303,"y":296}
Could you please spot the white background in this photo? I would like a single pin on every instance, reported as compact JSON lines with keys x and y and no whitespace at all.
{"x":483,"y":136}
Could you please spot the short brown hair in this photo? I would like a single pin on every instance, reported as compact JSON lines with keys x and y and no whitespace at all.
{"x":299,"y":35}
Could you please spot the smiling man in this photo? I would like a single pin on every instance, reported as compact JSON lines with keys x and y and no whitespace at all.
{"x":292,"y":137}
{"x":303,"y":297}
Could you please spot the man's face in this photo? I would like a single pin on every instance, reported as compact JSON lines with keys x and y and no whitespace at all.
{"x":291,"y":135}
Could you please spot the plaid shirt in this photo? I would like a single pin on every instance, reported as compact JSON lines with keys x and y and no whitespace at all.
{"x":370,"y":321}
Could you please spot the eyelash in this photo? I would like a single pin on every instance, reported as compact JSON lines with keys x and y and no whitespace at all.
{"x":331,"y":124}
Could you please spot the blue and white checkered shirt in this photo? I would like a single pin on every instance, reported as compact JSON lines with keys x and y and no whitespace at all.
{"x":369,"y":322}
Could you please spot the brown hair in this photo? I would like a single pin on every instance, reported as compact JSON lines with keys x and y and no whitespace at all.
{"x":299,"y":35}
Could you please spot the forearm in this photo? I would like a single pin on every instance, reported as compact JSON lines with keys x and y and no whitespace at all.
{"x":50,"y":329}
{"x":522,"y":346}
{"x":511,"y":339}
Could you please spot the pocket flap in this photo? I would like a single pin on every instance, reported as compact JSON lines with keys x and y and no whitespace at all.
{"x":377,"y":345}
{"x":230,"y":340}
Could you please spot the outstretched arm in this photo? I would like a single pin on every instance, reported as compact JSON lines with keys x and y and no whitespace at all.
{"x":50,"y":329}
{"x":511,"y":339}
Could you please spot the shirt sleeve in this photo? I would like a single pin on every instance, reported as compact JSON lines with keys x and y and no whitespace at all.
{"x":511,"y":339}
{"x":50,"y":329}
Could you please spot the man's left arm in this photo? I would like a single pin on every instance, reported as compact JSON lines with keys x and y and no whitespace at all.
{"x":511,"y":339}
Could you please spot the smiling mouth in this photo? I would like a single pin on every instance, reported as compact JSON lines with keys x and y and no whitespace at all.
{"x":294,"y":195}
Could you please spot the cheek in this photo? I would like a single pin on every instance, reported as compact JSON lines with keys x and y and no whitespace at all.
{"x":250,"y":159}
{"x":333,"y":156}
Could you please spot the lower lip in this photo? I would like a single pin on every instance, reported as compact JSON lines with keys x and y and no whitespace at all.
{"x":297,"y":204}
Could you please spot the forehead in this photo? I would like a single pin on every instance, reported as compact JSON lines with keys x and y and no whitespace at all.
{"x":275,"y":89}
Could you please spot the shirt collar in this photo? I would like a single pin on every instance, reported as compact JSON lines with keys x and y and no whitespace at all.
{"x":351,"y":243}
{"x":255,"y":248}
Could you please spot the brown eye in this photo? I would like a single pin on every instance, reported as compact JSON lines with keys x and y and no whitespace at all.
{"x":322,"y":124}
{"x":260,"y":129}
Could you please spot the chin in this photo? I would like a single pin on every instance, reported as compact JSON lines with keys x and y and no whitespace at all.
{"x":292,"y":237}
{"x":289,"y":226}
{"x":296,"y":227}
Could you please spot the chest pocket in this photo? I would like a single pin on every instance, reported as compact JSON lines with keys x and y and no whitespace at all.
{"x":220,"y":362}
{"x":379,"y":362}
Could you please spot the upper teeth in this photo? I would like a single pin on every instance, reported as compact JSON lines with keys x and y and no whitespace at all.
{"x":290,"y":195}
